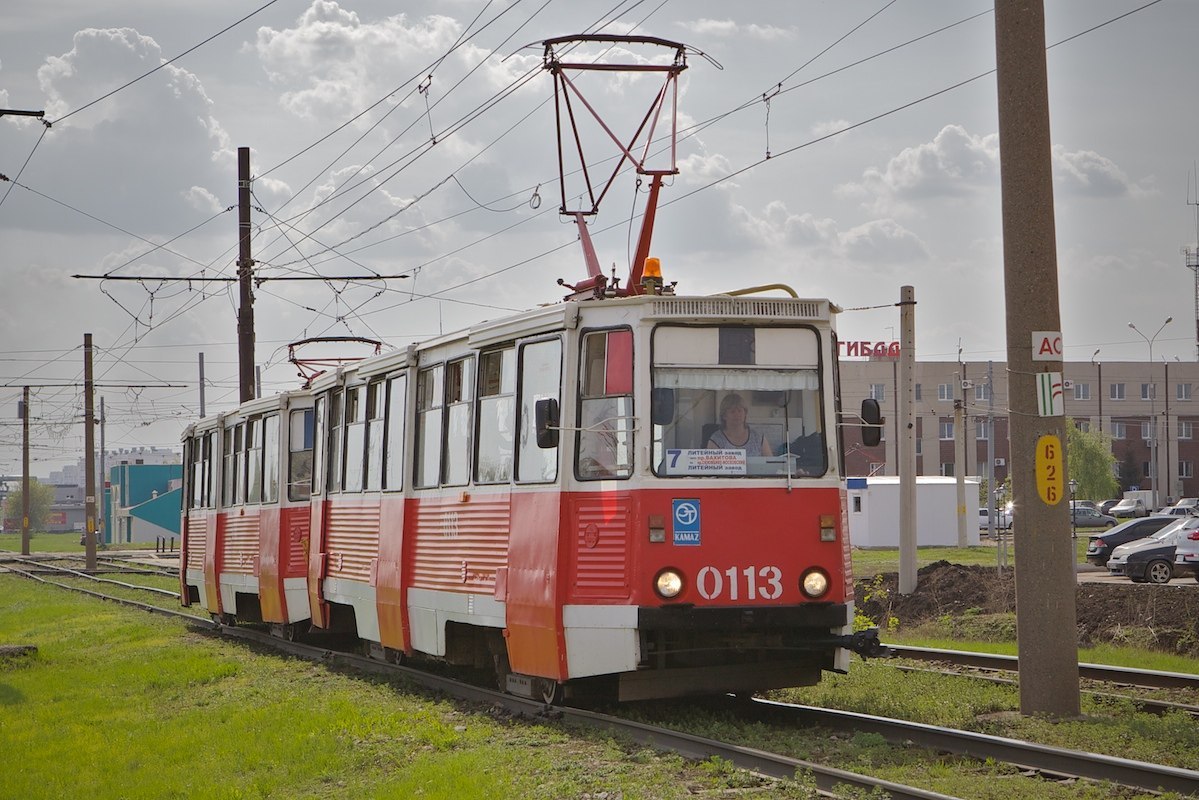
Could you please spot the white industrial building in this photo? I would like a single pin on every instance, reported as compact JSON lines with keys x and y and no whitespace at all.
{"x":874,"y":511}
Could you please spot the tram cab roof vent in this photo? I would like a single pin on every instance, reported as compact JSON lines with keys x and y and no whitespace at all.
{"x":724,"y":307}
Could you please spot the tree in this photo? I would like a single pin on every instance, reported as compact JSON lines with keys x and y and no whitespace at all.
{"x":1089,"y":461}
{"x":1130,"y":473}
{"x":41,"y":497}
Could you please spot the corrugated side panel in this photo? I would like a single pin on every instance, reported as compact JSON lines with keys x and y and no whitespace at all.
{"x":296,"y":530}
{"x":197,"y":536}
{"x":352,"y":540}
{"x":241,"y":543}
{"x":459,"y":546}
{"x":601,"y":546}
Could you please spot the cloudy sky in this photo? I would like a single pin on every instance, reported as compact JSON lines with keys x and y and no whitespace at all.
{"x":418,"y":139}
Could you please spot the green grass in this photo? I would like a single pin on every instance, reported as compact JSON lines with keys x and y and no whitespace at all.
{"x":867,"y":562}
{"x":119,"y":704}
{"x":42,"y":542}
{"x":964,"y":702}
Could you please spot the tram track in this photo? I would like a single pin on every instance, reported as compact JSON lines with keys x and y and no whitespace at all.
{"x":1125,"y":676}
{"x":1051,"y":762}
{"x":1145,"y":704}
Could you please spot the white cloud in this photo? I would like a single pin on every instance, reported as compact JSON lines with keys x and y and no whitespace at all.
{"x":882,"y":242}
{"x":710,"y":27}
{"x":727,"y":28}
{"x":203,"y":200}
{"x":829,"y":127}
{"x":1086,"y":173}
{"x":338,"y":63}
{"x":959,"y":165}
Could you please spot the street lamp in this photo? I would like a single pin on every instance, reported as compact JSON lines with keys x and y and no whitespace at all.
{"x":1149,"y":340}
{"x":1073,"y":510}
{"x":1098,"y":365}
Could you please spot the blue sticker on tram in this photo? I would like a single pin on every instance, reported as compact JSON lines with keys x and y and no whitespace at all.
{"x":686,"y":522}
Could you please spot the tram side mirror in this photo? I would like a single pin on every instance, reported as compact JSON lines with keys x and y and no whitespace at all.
{"x":547,"y":416}
{"x":661,"y":406}
{"x":872,"y":423}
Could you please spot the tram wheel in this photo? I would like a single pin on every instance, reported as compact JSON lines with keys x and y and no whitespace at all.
{"x":547,"y":691}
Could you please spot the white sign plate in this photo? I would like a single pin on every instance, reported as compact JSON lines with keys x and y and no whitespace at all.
{"x":1046,"y":345}
{"x":705,"y":462}
{"x":1051,"y":401}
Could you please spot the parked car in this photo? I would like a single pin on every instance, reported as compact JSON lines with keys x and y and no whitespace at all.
{"x":1129,"y":507}
{"x":1003,"y":519}
{"x":1100,"y":547}
{"x":1083,"y":504}
{"x":1188,"y":502}
{"x":1186,"y":555}
{"x":1176,"y":511}
{"x":1151,"y":559}
{"x":1106,"y":506}
{"x":1085,"y":517}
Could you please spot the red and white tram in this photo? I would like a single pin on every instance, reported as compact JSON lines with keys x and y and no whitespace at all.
{"x":541,"y":494}
{"x":246,"y":517}
{"x":558,"y":495}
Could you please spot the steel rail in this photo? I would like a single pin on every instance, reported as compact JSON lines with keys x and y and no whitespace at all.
{"x":69,"y":571}
{"x":1043,"y":758}
{"x":166,"y":612}
{"x":1148,"y":705}
{"x":828,"y":779}
{"x":1050,"y":760}
{"x":1152,"y":679}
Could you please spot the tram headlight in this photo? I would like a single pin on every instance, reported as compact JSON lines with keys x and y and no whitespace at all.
{"x":668,"y":584}
{"x":814,"y":583}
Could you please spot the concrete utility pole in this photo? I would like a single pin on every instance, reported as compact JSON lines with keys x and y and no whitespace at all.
{"x":905,"y":444}
{"x":245,"y":311}
{"x":25,"y":474}
{"x":100,"y":527}
{"x":959,"y":452}
{"x":201,"y":385}
{"x":89,"y":454}
{"x":992,"y":493}
{"x":1045,"y":576}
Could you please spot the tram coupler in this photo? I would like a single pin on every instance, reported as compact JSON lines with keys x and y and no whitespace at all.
{"x":865,"y":643}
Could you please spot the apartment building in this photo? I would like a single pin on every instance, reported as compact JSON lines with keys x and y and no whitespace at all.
{"x":1131,"y":401}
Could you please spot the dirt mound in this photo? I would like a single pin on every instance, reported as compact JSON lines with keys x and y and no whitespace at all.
{"x":1157,"y":617}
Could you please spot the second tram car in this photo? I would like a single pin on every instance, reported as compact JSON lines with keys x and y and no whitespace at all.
{"x":559,"y":496}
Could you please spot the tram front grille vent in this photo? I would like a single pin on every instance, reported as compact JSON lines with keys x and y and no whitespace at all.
{"x":740,"y":307}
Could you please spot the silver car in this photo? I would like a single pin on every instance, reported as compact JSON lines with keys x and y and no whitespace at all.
{"x":1152,"y":559}
{"x":1186,"y":554}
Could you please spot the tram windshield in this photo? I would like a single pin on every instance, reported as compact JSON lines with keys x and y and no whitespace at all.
{"x":737,"y":401}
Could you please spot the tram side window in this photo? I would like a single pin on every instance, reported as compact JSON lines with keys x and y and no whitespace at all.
{"x":540,"y":372}
{"x":299,"y":461}
{"x":497,"y":416}
{"x":394,"y":460}
{"x":375,"y":407}
{"x":195,"y":472}
{"x":235,"y":485}
{"x":429,"y":397}
{"x":205,"y":498}
{"x":458,"y":396}
{"x":605,"y":439}
{"x":335,"y":444}
{"x":355,"y":421}
{"x":254,"y":460}
{"x":319,"y":444}
{"x":270,"y":459}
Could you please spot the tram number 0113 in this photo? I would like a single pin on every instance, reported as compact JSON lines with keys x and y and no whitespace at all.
{"x":753,"y":583}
